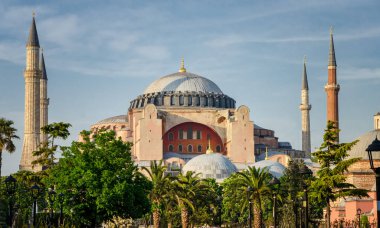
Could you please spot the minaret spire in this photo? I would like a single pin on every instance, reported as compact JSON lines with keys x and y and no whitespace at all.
{"x":44,"y":100}
{"x":332,"y":87}
{"x":32,"y":75}
{"x":305,"y":108}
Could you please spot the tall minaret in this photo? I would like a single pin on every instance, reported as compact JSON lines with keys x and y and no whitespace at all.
{"x":32,"y":77}
{"x":305,"y":109}
{"x":44,"y":100}
{"x":332,"y":87}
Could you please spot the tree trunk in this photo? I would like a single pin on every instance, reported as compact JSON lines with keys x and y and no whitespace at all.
{"x":156,"y":219}
{"x":257,"y":221}
{"x":328,"y":213}
{"x":184,"y":217}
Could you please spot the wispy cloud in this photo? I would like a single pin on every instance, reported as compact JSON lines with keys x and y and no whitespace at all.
{"x":360,"y":74}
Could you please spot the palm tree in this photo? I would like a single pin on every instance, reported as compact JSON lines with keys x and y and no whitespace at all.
{"x":186,"y":188}
{"x":7,"y":134}
{"x":156,"y":173}
{"x":257,"y":180}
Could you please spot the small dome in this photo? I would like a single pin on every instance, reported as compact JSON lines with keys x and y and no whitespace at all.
{"x":114,"y":119}
{"x":275,"y":168}
{"x":182,"y":82}
{"x":211,"y":165}
{"x":359,"y":150}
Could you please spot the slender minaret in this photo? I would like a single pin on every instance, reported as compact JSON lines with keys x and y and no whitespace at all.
{"x":32,"y":77}
{"x":332,"y":87}
{"x":305,"y":113}
{"x":44,"y":100}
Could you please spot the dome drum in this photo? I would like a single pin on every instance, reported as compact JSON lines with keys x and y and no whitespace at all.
{"x":183,"y":99}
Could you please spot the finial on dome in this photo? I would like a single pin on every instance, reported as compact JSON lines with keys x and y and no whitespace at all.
{"x":182,"y":69}
{"x":209,"y":150}
{"x":266,"y":153}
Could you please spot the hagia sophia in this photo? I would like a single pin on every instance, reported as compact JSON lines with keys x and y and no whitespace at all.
{"x":186,"y":120}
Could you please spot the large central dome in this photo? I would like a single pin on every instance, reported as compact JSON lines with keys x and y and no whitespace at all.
{"x":183,"y":82}
{"x":183,"y":89}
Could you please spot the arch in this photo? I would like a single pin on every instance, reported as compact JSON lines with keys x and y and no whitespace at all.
{"x":171,"y":148}
{"x":198,"y":133}
{"x":189,"y":148}
{"x":199,"y":149}
{"x":218,"y":148}
{"x":171,"y":136}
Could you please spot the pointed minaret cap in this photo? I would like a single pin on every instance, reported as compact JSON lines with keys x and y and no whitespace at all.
{"x":332,"y":61}
{"x":305,"y":85}
{"x":209,"y":150}
{"x":42,"y":67}
{"x":33,"y":36}
{"x":182,"y":69}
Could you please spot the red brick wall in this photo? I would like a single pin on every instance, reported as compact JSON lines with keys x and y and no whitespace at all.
{"x":203,"y":141}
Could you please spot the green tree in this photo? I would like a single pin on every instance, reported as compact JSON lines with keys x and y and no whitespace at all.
{"x":330,"y":183}
{"x":258,"y":180}
{"x":45,"y":155}
{"x":160,"y":182}
{"x":186,"y":188}
{"x":99,"y":180}
{"x":7,"y":135}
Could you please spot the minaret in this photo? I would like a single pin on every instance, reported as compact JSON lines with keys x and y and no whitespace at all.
{"x":305,"y":113}
{"x":32,"y":75}
{"x":332,"y":87}
{"x":44,"y":100}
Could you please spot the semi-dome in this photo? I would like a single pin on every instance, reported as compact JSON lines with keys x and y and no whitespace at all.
{"x":212,"y":165}
{"x":274,"y":168}
{"x":183,"y":82}
{"x":114,"y":119}
{"x":359,"y":149}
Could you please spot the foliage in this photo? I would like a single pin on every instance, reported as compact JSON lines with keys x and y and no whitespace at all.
{"x":330,"y":183}
{"x":99,"y":180}
{"x":7,"y":135}
{"x":45,"y":155}
{"x":235,"y":198}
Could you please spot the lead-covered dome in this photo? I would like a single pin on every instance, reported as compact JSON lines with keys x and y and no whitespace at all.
{"x":359,"y":149}
{"x":211,"y":165}
{"x":183,"y":89}
{"x":275,"y":168}
{"x":183,"y":82}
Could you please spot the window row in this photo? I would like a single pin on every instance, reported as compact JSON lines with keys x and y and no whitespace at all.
{"x":190,"y":148}
{"x":188,"y":134}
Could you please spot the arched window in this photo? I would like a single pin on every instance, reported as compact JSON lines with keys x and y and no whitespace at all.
{"x":171,"y":148}
{"x":190,"y":100}
{"x":190,"y":133}
{"x":180,"y":148}
{"x":218,"y":149}
{"x":171,"y":100}
{"x":170,"y":136}
{"x":199,"y":134}
{"x":181,"y":100}
{"x":189,"y":148}
{"x":180,"y":134}
{"x":199,"y":148}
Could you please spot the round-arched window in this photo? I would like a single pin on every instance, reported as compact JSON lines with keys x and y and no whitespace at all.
{"x":170,"y":136}
{"x":171,"y":148}
{"x":189,"y":148}
{"x":180,"y":148}
{"x":218,"y":148}
{"x":199,"y":148}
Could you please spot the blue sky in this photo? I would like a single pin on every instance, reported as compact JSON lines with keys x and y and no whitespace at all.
{"x":100,"y":55}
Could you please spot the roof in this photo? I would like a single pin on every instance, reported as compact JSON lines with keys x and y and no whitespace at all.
{"x":182,"y":82}
{"x":33,"y":36}
{"x":305,"y":85}
{"x":275,"y":168}
{"x":114,"y":119}
{"x":213,"y":165}
{"x":332,"y":61}
{"x":359,"y":150}
{"x":42,"y":67}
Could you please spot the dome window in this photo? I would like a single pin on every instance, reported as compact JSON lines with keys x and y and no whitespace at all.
{"x":190,"y":148}
{"x":181,"y":100}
